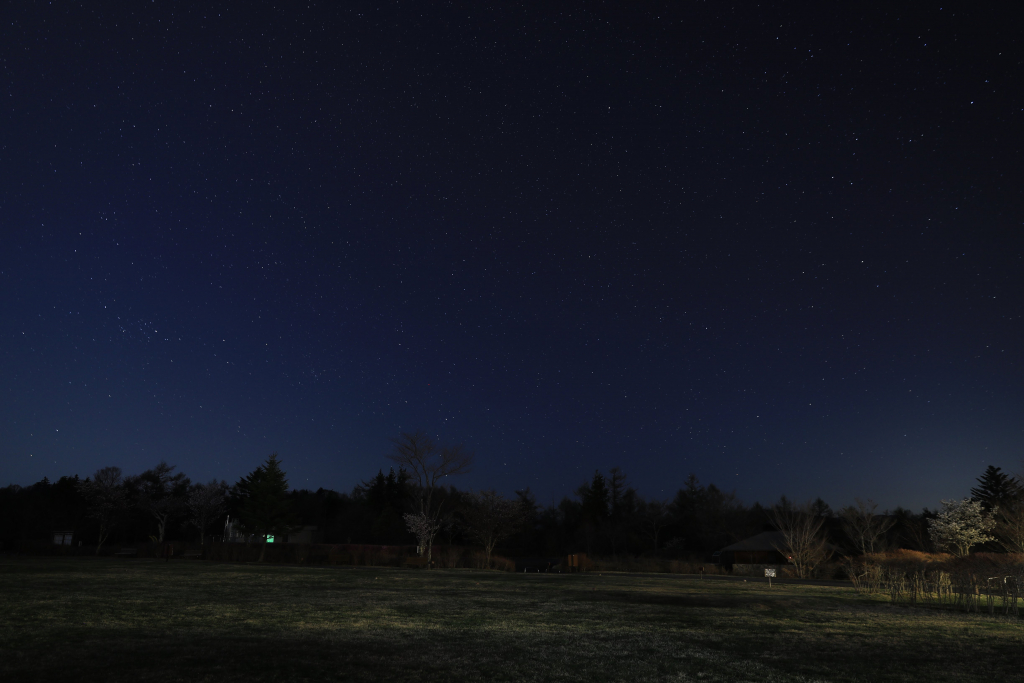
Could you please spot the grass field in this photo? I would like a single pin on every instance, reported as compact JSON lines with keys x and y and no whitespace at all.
{"x":85,"y":619}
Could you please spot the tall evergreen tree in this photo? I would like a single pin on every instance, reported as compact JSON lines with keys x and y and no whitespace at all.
{"x":386,"y":497}
{"x":995,"y":489}
{"x":376,"y":492}
{"x":594,"y":509}
{"x":595,"y":499}
{"x":265,"y":509}
{"x":707,"y":517}
{"x":821,"y":508}
{"x":617,"y":493}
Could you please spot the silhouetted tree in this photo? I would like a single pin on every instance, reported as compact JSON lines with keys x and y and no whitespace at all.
{"x":107,"y":500}
{"x":593,"y":511}
{"x":265,"y":508}
{"x":429,"y":466}
{"x":995,"y":489}
{"x":911,"y":529}
{"x":206,"y":503}
{"x":865,"y":529}
{"x":618,"y":493}
{"x":707,"y":517}
{"x":821,"y":508}
{"x":529,"y":537}
{"x":653,"y":518}
{"x":1009,"y":528}
{"x":492,"y":518}
{"x":560,"y":525}
{"x":161,"y":494}
{"x":803,"y":541}
{"x":337,"y":516}
{"x":594,"y":499}
{"x":387,"y":497}
{"x":622,"y":508}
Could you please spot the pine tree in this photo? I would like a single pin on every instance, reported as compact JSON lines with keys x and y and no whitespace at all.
{"x":995,"y":489}
{"x":595,"y":499}
{"x":617,"y":492}
{"x":386,"y":498}
{"x":821,"y":508}
{"x":265,"y":507}
{"x":376,"y":493}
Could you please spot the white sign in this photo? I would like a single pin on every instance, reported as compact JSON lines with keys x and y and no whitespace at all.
{"x":769,"y":573}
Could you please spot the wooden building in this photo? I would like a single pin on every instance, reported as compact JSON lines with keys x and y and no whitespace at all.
{"x":762,"y":549}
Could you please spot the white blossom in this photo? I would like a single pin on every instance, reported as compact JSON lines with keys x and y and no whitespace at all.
{"x":423,"y":527}
{"x":960,"y":525}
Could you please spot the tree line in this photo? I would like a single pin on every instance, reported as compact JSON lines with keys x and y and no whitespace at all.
{"x":416,"y":502}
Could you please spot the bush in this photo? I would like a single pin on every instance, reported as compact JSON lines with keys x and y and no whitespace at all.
{"x":502,"y":564}
{"x":653,"y":565}
{"x":445,"y":557}
{"x":452,"y":556}
{"x":982,"y":582}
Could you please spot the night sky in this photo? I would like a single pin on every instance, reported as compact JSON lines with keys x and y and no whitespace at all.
{"x":780,"y":248}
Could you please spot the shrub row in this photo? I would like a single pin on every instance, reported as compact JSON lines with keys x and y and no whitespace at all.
{"x":653,"y":565}
{"x":984,"y":582}
{"x":355,"y":555}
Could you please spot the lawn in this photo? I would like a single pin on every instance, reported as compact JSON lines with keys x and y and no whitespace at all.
{"x":86,"y":619}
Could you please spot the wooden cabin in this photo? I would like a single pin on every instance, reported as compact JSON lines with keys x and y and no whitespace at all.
{"x":760,"y":549}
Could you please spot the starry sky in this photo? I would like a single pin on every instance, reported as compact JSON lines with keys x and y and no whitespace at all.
{"x":779,"y":247}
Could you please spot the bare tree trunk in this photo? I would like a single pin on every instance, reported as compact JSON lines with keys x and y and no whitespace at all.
{"x":104,"y":532}
{"x":429,"y":465}
{"x":803,"y":541}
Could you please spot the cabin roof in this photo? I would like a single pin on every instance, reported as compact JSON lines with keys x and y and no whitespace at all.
{"x":766,"y":540}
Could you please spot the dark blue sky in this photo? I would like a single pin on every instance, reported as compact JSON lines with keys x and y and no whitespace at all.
{"x":778,"y":248}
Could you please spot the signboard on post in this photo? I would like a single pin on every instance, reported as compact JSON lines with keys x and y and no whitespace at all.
{"x":769,"y":573}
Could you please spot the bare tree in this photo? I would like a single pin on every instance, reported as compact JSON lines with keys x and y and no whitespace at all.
{"x":654,"y":518}
{"x":162,"y":494}
{"x":428,"y":464}
{"x":1010,"y":526}
{"x":803,"y":541}
{"x":1010,"y":519}
{"x":107,"y":499}
{"x":911,"y":530}
{"x":865,"y":529}
{"x":206,"y":503}
{"x":493,"y":518}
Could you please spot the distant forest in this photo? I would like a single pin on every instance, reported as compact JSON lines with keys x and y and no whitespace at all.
{"x":604,"y":517}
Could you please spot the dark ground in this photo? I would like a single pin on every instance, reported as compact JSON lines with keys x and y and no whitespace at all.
{"x":85,"y":619}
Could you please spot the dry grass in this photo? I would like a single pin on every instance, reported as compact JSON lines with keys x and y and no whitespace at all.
{"x":140,"y":620}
